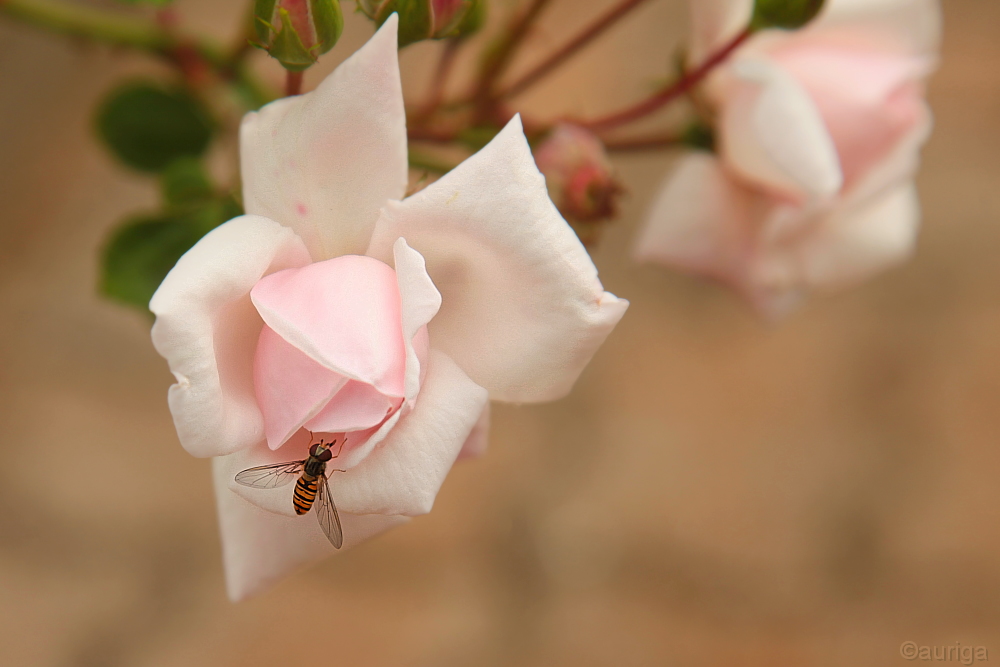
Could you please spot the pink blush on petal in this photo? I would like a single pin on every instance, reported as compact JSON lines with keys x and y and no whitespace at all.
{"x":290,"y":387}
{"x":356,"y":407}
{"x":345,"y":313}
{"x":868,"y":101}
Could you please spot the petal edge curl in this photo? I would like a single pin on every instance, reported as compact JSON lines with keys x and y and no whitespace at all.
{"x":207,"y":329}
{"x":323,"y":163}
{"x":522,"y":308}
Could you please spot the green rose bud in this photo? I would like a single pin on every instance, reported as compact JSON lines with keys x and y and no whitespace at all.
{"x":427,"y":19}
{"x":297,"y":32}
{"x":786,"y":14}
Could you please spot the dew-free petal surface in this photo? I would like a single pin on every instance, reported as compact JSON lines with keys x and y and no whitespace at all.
{"x":522,"y":308}
{"x":699,"y":221}
{"x":323,"y":163}
{"x":207,"y":329}
{"x":356,"y":407}
{"x":477,"y":442}
{"x":853,"y":244}
{"x":344,"y":313}
{"x":291,"y":388}
{"x":403,"y":473}
{"x":910,"y":26}
{"x":403,"y":468}
{"x":259,"y":547}
{"x":773,"y":134}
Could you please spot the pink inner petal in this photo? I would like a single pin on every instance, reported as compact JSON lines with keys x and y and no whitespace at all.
{"x":357,"y":406}
{"x":290,"y":386}
{"x":344,"y":313}
{"x":869,"y":101}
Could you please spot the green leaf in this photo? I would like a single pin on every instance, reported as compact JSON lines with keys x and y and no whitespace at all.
{"x":148,"y":127}
{"x":140,"y":252}
{"x":699,"y":136}
{"x":786,"y":14}
{"x":185,"y":182}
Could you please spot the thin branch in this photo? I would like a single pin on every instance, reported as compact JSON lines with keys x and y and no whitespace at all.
{"x":431,"y":136}
{"x":117,"y":30}
{"x":593,"y":31}
{"x":501,"y":54}
{"x":639,"y":144}
{"x":436,"y":93}
{"x":425,"y":162}
{"x":671,"y":92}
{"x":293,"y":83}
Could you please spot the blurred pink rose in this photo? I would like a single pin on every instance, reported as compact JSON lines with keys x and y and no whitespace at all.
{"x":339,"y":307}
{"x":819,"y":132}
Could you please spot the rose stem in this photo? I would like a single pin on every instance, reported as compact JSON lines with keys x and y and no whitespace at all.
{"x":436,"y":93}
{"x":500,"y":56}
{"x":594,"y":30}
{"x":644,"y":143}
{"x":293,"y":83}
{"x":671,"y":92}
{"x":112,"y":28}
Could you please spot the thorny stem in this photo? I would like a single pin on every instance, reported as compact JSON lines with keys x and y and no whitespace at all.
{"x":501,"y":54}
{"x":114,"y":29}
{"x":293,"y":83}
{"x":594,"y":30}
{"x":671,"y":92}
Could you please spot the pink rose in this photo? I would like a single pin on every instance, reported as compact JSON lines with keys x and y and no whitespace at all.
{"x":339,"y":307}
{"x":819,"y":132}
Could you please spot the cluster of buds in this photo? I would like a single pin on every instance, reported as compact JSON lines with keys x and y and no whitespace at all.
{"x":297,"y":32}
{"x":580,"y":178}
{"x":427,"y":19}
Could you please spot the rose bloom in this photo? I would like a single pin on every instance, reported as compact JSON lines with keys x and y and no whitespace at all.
{"x":336,"y":306}
{"x":818,"y":134}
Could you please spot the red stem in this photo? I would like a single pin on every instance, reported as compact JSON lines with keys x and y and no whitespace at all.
{"x":440,"y":80}
{"x":671,"y":92}
{"x":293,"y":83}
{"x":497,"y":63}
{"x":595,"y":29}
{"x":418,"y":133}
{"x":636,"y":144}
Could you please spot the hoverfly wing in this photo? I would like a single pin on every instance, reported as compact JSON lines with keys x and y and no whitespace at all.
{"x":271,"y":476}
{"x":326,"y":513}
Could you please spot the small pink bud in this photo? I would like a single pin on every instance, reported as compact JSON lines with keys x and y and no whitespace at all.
{"x":428,"y":19}
{"x":296,"y":32}
{"x":580,"y":177}
{"x":446,"y":12}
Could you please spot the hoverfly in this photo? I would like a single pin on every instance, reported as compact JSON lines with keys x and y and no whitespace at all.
{"x":312,"y":482}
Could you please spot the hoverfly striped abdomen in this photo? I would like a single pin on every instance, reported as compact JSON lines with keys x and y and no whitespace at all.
{"x":307,"y":486}
{"x":305,"y":493}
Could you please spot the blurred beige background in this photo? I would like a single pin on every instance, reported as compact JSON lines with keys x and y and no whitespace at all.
{"x":716,"y":492}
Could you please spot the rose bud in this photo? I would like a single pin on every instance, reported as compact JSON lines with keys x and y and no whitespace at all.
{"x":427,"y":19}
{"x":579,"y":177}
{"x":297,"y":32}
